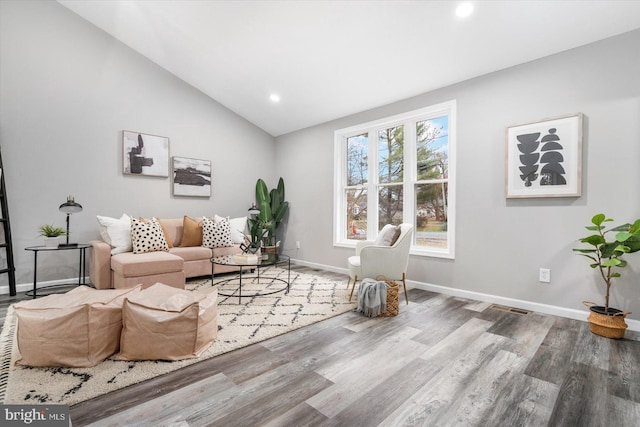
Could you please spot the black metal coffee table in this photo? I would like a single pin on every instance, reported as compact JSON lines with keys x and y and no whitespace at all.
{"x":252,"y":272}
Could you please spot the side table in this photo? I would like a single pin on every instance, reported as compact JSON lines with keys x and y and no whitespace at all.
{"x":82,"y":269}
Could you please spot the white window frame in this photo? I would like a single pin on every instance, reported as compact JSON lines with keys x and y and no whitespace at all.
{"x":408,"y":120}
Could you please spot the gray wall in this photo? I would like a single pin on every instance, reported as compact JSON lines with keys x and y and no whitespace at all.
{"x":67,"y":90}
{"x":501,"y":243}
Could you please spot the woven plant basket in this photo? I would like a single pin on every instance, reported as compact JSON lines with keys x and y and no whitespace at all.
{"x":608,"y":326}
{"x":393,"y":306}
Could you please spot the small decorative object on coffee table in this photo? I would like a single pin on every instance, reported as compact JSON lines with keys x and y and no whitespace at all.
{"x":243,"y":277}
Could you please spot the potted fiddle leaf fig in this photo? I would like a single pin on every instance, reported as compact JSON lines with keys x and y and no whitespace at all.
{"x":51,"y":234}
{"x":273,"y":208}
{"x":607,"y":256}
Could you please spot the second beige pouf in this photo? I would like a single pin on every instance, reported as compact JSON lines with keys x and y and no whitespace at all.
{"x":165,"y":323}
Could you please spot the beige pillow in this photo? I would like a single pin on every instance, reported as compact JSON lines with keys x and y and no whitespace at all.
{"x":167,"y":237}
{"x":388,"y":235}
{"x":191,"y":232}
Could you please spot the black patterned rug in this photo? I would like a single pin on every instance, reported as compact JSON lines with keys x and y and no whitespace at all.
{"x":310,"y":299}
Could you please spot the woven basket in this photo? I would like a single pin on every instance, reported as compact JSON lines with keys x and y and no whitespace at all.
{"x":393,"y":306}
{"x":612,"y":326}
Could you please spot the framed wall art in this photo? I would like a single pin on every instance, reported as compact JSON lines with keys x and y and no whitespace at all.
{"x":544,"y":158}
{"x":145,"y":154}
{"x":191,"y":177}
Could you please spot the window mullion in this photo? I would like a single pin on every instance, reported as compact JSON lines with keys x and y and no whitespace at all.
{"x":410,"y":172}
{"x":372,"y":189}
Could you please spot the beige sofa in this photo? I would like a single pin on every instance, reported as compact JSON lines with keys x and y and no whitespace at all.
{"x":126,"y":270}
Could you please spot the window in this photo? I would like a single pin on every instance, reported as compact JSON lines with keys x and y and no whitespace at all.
{"x":394,"y":170}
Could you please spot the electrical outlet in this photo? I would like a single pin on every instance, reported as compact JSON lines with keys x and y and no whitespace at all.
{"x":297,"y":244}
{"x":545,"y":275}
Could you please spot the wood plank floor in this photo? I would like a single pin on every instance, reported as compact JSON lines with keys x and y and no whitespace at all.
{"x":442,"y":361}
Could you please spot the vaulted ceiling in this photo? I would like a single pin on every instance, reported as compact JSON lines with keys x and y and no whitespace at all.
{"x":328,"y":59}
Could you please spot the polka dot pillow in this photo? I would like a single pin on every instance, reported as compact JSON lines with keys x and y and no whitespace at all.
{"x":147,"y":236}
{"x":216,"y":234}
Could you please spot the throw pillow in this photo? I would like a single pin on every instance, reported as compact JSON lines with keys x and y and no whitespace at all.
{"x":166,"y":234}
{"x":116,"y":232}
{"x":216,"y":234}
{"x":191,"y":232}
{"x":238,"y":229}
{"x":388,"y":235}
{"x":147,"y":236}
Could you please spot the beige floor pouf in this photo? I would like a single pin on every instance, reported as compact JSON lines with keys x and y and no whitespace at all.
{"x":80,"y":328}
{"x":165,"y":323}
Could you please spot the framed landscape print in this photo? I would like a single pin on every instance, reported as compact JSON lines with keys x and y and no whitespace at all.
{"x":145,"y":154}
{"x":544,"y":159}
{"x":191,"y":177}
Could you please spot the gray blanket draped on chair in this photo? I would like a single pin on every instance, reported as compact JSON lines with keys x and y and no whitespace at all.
{"x":372,"y":297}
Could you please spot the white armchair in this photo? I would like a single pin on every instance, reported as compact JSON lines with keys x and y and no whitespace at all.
{"x":372,"y":260}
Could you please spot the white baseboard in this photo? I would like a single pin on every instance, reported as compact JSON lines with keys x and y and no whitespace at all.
{"x":319,"y":266}
{"x":634,"y":325}
{"x":23,"y":287}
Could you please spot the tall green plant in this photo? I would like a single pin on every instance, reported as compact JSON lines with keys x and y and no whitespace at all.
{"x":272,"y":207}
{"x":607,"y":255}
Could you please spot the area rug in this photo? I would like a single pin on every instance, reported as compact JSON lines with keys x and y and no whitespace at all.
{"x":310,"y":299}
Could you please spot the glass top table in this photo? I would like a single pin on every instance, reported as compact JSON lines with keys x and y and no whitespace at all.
{"x":82,"y":268}
{"x":252,"y":276}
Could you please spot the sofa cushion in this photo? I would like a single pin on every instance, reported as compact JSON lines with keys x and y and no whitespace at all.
{"x":191,"y":232}
{"x":192,"y":253}
{"x":216,"y":234}
{"x":147,"y":236}
{"x":165,"y":232}
{"x":172,"y":228}
{"x":145,"y":264}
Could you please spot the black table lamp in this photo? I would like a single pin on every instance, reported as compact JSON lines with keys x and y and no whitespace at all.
{"x":253,"y":210}
{"x":69,"y":207}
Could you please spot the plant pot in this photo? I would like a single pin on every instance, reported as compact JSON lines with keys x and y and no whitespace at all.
{"x":609,"y":324}
{"x":51,"y":242}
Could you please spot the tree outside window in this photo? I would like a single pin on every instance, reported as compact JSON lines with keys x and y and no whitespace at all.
{"x":397,"y":170}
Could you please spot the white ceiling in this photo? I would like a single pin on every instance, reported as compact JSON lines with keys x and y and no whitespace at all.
{"x":329,"y":59}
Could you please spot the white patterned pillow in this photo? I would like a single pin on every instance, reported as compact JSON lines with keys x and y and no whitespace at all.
{"x":216,"y":234}
{"x":147,"y":236}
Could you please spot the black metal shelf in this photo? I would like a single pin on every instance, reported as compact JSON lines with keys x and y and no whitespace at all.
{"x":4,"y":220}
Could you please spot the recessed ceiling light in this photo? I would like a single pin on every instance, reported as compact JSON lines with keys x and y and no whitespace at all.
{"x":274,"y":97}
{"x":464,"y":9}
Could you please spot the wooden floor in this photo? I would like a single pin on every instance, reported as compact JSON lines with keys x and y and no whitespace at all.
{"x":442,"y":361}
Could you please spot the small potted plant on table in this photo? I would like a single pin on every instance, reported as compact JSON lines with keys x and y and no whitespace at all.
{"x":51,"y":234}
{"x":607,"y":257}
